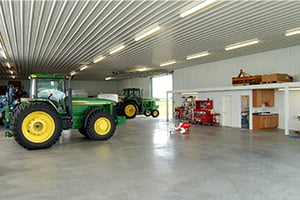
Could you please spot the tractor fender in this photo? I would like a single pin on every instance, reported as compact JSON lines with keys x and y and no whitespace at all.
{"x":45,"y":101}
{"x":130,"y":101}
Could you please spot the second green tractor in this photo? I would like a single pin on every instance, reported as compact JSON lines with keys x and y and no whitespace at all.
{"x":132,"y":103}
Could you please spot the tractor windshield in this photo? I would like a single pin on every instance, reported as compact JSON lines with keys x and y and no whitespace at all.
{"x":53,"y":89}
{"x":132,"y":93}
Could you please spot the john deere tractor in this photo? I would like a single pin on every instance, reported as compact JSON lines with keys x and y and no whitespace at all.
{"x":38,"y":122}
{"x":132,"y":104}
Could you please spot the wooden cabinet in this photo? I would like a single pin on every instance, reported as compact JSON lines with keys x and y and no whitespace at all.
{"x":265,"y":121}
{"x":261,"y":96}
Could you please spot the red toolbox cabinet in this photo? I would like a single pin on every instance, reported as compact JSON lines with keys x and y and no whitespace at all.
{"x":204,"y":104}
{"x":203,"y":114}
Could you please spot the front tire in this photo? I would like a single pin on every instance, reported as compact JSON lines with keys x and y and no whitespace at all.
{"x":100,"y":126}
{"x":155,"y":113}
{"x":36,"y":125}
{"x":147,"y":113}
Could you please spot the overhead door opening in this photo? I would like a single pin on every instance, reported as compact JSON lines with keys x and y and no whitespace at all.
{"x":160,"y":86}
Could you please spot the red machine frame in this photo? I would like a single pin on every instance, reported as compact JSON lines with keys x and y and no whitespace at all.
{"x":203,"y":114}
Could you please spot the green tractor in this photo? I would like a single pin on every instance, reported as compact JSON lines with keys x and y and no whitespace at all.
{"x":132,"y":103}
{"x":37,"y":123}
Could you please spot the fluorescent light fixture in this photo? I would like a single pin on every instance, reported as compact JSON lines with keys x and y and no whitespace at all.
{"x":291,"y":89}
{"x":13,"y":77}
{"x":98,"y":59}
{"x":72,"y":73}
{"x":8,"y":65}
{"x":139,"y":68}
{"x":189,"y":93}
{"x":293,"y":31}
{"x":117,"y":48}
{"x":11,"y":72}
{"x":142,"y":69}
{"x":201,"y":6}
{"x":3,"y":54}
{"x":168,"y":63}
{"x":197,"y":55}
{"x":83,"y":68}
{"x":108,"y":78}
{"x":242,"y":44}
{"x":148,"y":31}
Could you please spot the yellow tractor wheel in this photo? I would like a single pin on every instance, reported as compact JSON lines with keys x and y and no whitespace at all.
{"x":130,"y":110}
{"x":100,"y":125}
{"x":147,"y":113}
{"x":155,"y":113}
{"x":36,"y":125}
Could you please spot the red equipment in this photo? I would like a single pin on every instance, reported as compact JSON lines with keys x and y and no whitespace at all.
{"x":179,"y":112}
{"x":246,"y":79}
{"x":203,"y":114}
{"x":184,"y":128}
{"x":185,"y":112}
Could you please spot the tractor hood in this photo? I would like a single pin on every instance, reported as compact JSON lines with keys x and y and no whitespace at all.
{"x":90,"y":101}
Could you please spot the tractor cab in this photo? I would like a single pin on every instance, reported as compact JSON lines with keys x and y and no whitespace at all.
{"x":132,"y":93}
{"x":49,"y":87}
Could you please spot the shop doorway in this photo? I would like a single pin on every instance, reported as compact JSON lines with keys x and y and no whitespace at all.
{"x":245,"y":112}
{"x":160,"y":86}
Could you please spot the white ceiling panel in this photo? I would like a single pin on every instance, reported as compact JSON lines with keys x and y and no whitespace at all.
{"x":62,"y":36}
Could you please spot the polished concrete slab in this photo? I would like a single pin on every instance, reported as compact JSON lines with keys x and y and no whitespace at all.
{"x":143,"y":160}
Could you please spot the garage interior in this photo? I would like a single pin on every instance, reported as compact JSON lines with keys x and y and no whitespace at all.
{"x":250,"y":152}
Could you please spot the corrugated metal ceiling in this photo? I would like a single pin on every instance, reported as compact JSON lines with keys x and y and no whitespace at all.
{"x":62,"y":36}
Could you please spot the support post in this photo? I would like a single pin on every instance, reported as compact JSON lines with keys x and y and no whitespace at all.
{"x":286,"y":111}
{"x":167,"y":106}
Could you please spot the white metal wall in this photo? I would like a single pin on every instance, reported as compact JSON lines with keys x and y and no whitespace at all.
{"x":219,"y":74}
{"x":94,"y":88}
{"x":136,"y":83}
{"x":294,"y":108}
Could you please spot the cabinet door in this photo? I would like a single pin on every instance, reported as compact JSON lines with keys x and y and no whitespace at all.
{"x":257,"y":98}
{"x":274,"y":121}
{"x":265,"y":122}
{"x":256,"y":122}
{"x":268,"y":97}
{"x":261,"y":96}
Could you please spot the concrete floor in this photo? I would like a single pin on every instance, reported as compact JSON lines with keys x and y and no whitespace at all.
{"x":144,"y":161}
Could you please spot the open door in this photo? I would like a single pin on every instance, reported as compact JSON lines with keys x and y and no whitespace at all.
{"x":160,"y":86}
{"x":245,"y":112}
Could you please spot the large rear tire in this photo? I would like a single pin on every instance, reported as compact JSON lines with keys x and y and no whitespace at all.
{"x":36,"y":125}
{"x":129,"y":110}
{"x":100,"y":126}
{"x":82,"y":131}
